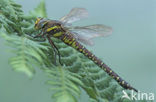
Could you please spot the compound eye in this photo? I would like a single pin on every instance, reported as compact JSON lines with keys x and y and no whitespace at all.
{"x":37,"y":22}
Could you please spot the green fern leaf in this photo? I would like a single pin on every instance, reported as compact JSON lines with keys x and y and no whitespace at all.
{"x":28,"y":53}
{"x":40,"y":10}
{"x":64,"y":83}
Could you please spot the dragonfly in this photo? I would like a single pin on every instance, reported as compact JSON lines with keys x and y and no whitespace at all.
{"x":76,"y":36}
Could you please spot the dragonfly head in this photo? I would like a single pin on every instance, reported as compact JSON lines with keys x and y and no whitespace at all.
{"x":40,"y":22}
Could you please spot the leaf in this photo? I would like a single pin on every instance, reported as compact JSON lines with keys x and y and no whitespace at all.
{"x":28,"y":53}
{"x":40,"y":10}
{"x":64,"y":87}
{"x":66,"y":97}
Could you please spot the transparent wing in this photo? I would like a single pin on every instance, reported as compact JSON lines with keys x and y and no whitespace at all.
{"x":85,"y":34}
{"x":74,"y":15}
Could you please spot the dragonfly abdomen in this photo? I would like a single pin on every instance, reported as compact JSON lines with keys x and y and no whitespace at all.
{"x":69,"y":40}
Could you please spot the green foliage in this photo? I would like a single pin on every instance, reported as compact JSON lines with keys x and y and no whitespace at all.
{"x":10,"y":16}
{"x":65,"y":81}
{"x":40,"y":10}
{"x":28,"y":53}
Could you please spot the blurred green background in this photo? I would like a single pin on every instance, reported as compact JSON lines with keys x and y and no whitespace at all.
{"x":130,"y":50}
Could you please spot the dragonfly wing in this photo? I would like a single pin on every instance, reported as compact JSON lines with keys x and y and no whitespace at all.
{"x":85,"y":34}
{"x":84,"y":39}
{"x":74,"y":15}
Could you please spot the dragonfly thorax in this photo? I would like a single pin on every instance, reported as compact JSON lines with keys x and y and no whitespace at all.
{"x":54,"y":28}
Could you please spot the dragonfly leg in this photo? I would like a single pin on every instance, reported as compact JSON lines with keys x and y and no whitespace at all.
{"x":41,"y":35}
{"x":38,"y":35}
{"x":43,"y":39}
{"x":55,"y":49}
{"x":54,"y":54}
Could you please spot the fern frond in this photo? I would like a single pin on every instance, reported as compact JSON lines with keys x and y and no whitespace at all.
{"x":29,"y":53}
{"x":11,"y":16}
{"x":40,"y":10}
{"x":64,"y":84}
